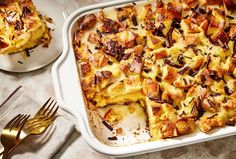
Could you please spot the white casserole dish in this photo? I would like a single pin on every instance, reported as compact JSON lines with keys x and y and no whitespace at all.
{"x":70,"y":97}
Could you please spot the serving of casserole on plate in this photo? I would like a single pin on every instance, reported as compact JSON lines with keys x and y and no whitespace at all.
{"x":30,"y":34}
{"x":22,"y":27}
{"x":171,"y":63}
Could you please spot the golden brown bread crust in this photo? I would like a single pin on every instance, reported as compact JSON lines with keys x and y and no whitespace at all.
{"x":178,"y":59}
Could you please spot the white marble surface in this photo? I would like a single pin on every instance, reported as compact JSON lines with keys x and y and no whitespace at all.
{"x":39,"y":84}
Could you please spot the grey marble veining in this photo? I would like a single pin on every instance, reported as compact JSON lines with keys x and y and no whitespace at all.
{"x":40,"y":85}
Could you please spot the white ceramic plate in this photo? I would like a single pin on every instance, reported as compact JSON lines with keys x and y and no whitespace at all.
{"x":39,"y":56}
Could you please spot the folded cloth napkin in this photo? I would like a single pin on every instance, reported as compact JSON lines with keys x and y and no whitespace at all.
{"x":41,"y":146}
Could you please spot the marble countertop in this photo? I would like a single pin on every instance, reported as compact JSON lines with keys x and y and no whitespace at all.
{"x":40,"y":85}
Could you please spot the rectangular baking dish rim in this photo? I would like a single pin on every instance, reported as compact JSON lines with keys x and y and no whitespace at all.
{"x":81,"y":115}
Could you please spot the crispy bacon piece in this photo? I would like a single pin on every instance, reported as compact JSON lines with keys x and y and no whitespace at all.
{"x":87,"y":22}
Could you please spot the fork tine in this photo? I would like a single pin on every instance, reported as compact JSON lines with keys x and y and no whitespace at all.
{"x":43,"y":107}
{"x":12,"y":121}
{"x":51,"y":110}
{"x":54,"y":113}
{"x":46,"y":109}
{"x":17,"y":122}
{"x":21,"y":125}
{"x":23,"y":120}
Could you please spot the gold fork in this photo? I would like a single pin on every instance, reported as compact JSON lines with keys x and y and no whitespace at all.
{"x":42,"y":119}
{"x":40,"y":122}
{"x":48,"y":110}
{"x":11,"y":133}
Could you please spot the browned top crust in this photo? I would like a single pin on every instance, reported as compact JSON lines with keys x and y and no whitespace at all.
{"x":176,"y":58}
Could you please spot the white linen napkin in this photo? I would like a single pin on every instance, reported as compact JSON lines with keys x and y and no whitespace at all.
{"x":36,"y":147}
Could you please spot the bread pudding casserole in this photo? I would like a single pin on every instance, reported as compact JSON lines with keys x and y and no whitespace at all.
{"x":176,"y":58}
{"x":21,"y":26}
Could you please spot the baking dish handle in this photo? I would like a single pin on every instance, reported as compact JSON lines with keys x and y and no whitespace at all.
{"x":66,"y":85}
